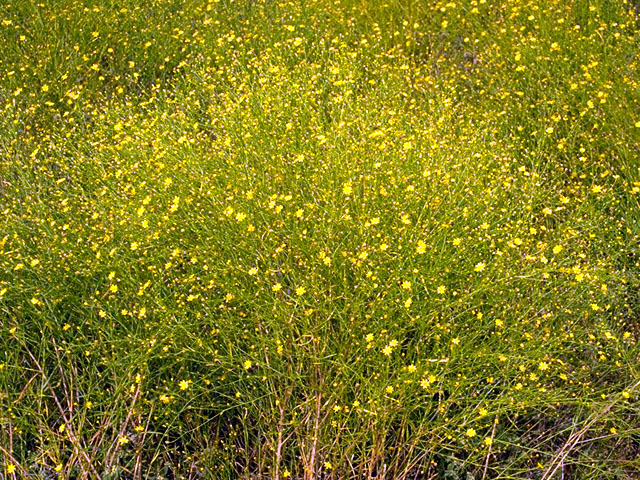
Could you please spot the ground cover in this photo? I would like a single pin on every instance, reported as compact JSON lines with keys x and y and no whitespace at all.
{"x":319,"y":239}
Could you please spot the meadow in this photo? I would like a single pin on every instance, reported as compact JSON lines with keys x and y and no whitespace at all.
{"x":346,"y":239}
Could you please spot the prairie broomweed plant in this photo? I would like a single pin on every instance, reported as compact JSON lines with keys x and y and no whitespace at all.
{"x":293,"y":239}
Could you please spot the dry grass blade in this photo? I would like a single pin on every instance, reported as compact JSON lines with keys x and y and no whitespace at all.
{"x":576,"y":437}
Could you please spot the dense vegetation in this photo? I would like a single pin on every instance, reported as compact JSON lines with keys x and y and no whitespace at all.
{"x":320,"y":240}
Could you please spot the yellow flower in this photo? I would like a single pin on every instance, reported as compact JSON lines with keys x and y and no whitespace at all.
{"x":471,"y":432}
{"x":441,"y":289}
{"x":123,"y":440}
{"x":480,"y":267}
{"x":427,"y":381}
{"x":422,"y":247}
{"x":300,"y":291}
{"x":184,"y":384}
{"x":175,"y":203}
{"x":11,"y":468}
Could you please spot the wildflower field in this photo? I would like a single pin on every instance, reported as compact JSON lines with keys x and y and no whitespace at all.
{"x":321,"y":239}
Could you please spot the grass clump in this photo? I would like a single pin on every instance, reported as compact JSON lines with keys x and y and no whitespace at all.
{"x":313,"y":240}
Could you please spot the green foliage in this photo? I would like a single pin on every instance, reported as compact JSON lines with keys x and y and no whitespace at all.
{"x":273,"y":239}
